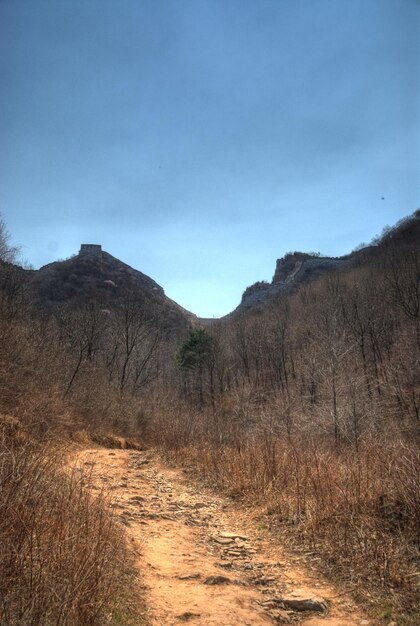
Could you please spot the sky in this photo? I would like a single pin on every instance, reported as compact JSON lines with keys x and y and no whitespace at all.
{"x":200,"y":140}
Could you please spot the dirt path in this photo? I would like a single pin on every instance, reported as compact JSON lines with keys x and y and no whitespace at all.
{"x":202,"y":558}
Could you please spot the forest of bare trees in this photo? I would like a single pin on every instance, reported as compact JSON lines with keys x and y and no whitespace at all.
{"x":308,"y":406}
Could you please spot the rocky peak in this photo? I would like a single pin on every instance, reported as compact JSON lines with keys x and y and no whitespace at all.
{"x":300,"y":266}
{"x":291,"y":270}
{"x":289,"y":265}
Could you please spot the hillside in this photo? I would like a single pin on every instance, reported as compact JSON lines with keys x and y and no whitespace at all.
{"x":298,"y":268}
{"x":104,"y":279}
{"x":291,"y":271}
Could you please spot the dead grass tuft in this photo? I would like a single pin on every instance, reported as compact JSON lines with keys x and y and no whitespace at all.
{"x":63,"y":559}
{"x":113,"y":441}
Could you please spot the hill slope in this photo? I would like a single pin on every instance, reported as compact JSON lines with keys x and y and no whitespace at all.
{"x":110,"y":283}
{"x":297,"y":268}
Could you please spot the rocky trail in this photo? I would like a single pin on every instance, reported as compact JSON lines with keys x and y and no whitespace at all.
{"x":203,"y":559}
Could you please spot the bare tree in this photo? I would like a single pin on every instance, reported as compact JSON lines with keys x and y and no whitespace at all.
{"x":8,"y":253}
{"x":133,"y":348}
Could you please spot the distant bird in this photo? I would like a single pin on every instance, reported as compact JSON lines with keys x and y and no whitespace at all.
{"x":382,"y":198}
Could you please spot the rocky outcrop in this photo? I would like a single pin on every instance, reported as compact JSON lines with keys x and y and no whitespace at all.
{"x":293,"y":269}
{"x":298,"y":267}
{"x":256,"y":293}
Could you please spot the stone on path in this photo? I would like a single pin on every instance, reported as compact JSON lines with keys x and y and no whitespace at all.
{"x":223,"y":541}
{"x":233,"y":536}
{"x":189,"y":576}
{"x":185,"y":617}
{"x":303,"y":604}
{"x":217,"y":580}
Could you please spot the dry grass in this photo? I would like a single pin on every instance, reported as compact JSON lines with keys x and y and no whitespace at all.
{"x":63,"y":558}
{"x":359,"y":510}
{"x":113,"y":441}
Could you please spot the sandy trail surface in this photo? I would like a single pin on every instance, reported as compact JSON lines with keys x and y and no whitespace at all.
{"x":203,"y":559}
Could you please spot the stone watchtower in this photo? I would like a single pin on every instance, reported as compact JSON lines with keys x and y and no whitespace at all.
{"x":90,"y":249}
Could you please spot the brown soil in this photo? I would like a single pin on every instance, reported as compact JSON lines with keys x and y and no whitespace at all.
{"x":202,"y":558}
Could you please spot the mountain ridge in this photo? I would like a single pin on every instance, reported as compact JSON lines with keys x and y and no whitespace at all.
{"x":297,"y":268}
{"x":104,"y":278}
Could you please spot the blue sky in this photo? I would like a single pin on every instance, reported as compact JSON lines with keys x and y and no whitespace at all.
{"x":199,"y":140}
